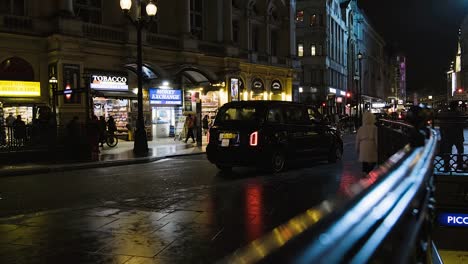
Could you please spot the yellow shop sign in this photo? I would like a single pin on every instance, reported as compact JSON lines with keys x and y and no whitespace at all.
{"x":20,"y":88}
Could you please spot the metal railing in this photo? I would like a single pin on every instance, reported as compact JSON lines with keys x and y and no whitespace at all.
{"x":386,"y":217}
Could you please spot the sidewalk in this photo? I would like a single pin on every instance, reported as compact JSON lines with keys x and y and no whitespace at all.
{"x":122,"y":154}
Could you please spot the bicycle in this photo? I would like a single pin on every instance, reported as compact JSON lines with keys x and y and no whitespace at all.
{"x":111,"y":140}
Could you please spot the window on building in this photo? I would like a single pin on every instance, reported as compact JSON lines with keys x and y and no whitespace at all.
{"x":319,"y":50}
{"x":235,"y":31}
{"x":300,"y":16}
{"x":300,"y":50}
{"x":313,"y":50}
{"x":12,"y":7}
{"x":255,"y":38}
{"x":273,"y":43}
{"x":196,"y":18}
{"x":88,"y":10}
{"x":313,"y":20}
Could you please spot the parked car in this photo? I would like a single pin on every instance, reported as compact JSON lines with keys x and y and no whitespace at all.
{"x":269,"y":134}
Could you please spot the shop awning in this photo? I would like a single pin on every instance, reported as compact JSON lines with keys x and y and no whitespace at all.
{"x":115,"y":94}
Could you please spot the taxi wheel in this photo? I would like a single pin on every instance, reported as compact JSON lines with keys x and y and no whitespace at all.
{"x":278,"y":161}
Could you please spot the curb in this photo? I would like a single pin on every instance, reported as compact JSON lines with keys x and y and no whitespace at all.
{"x":88,"y":165}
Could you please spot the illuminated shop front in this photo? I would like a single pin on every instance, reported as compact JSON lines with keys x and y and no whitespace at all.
{"x":166,"y":112}
{"x":112,"y":97}
{"x":258,"y":90}
{"x":276,"y":90}
{"x":19,"y":98}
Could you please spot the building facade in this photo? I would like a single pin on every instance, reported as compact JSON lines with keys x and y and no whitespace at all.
{"x":194,"y":50}
{"x":331,"y":34}
{"x":322,"y":48}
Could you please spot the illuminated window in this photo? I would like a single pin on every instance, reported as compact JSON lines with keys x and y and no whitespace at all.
{"x":313,"y":20}
{"x":300,"y":50}
{"x":300,"y":16}
{"x":313,"y":50}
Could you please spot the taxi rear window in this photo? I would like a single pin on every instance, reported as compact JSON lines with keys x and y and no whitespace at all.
{"x":246,"y":113}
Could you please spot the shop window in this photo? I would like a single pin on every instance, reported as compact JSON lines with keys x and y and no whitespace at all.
{"x":300,"y":50}
{"x":196,"y":18}
{"x":16,"y":69}
{"x":89,"y":10}
{"x":12,"y":7}
{"x":300,"y":16}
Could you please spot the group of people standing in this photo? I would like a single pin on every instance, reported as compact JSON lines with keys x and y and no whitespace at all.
{"x":16,"y":128}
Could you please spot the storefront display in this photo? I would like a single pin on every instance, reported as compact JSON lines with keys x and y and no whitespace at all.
{"x":166,"y":106}
{"x":26,"y":112}
{"x":210,"y":104}
{"x":117,"y":108}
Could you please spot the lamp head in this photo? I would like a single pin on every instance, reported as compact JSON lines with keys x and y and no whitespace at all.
{"x":125,"y":5}
{"x":359,"y":56}
{"x":151,"y":9}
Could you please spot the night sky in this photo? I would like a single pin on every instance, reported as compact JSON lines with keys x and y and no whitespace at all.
{"x":426,"y":31}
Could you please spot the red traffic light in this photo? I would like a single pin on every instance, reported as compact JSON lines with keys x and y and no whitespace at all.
{"x":348,"y":95}
{"x":324,"y":104}
{"x":460,"y":90}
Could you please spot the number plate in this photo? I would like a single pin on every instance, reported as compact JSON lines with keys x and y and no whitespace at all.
{"x":225,"y":142}
{"x":227,"y":135}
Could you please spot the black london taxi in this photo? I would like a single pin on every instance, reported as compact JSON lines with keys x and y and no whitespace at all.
{"x":268,"y":134}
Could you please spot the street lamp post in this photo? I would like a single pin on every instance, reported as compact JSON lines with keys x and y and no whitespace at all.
{"x":53,"y":82}
{"x":301,"y":90}
{"x":141,"y":141}
{"x":360,"y":88}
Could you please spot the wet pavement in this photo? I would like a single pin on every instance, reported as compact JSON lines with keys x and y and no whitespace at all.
{"x":177,"y":210}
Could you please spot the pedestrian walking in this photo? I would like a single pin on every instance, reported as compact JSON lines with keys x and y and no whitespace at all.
{"x":19,"y":129}
{"x":451,"y":130}
{"x":205,"y":123}
{"x":366,"y":143}
{"x":189,"y":124}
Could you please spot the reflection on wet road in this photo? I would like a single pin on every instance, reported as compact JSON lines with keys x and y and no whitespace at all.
{"x":173,"y":211}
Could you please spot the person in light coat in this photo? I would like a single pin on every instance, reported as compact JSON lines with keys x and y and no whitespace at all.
{"x":366,"y":142}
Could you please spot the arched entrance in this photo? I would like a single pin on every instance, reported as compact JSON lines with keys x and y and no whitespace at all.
{"x":19,"y":94}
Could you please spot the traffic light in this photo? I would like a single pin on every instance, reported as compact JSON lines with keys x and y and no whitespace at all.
{"x":324,"y":104}
{"x":460,"y":90}
{"x":348,"y":95}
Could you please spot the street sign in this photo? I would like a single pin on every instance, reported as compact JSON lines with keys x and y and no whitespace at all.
{"x":70,"y":91}
{"x":453,"y":219}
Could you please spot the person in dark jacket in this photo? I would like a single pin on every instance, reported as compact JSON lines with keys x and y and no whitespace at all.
{"x":19,"y":128}
{"x":205,"y":124}
{"x":452,"y":123}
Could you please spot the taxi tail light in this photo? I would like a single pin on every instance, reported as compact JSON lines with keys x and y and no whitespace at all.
{"x":253,"y":139}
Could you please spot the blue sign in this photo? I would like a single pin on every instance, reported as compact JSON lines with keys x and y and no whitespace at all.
{"x":165,"y":96}
{"x":450,"y":219}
